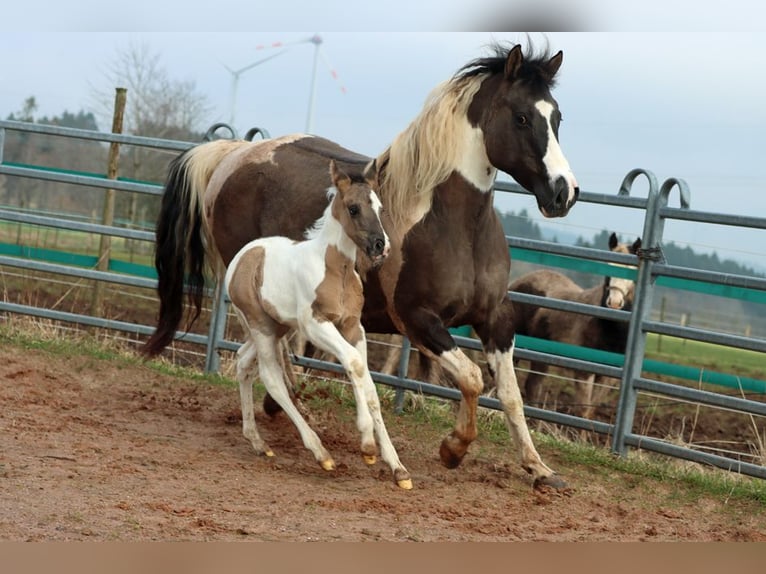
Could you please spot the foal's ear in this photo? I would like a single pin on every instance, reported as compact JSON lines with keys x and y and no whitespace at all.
{"x":613,"y":240}
{"x":371,"y":174}
{"x":636,"y":246}
{"x":513,"y":62}
{"x":340,"y":178}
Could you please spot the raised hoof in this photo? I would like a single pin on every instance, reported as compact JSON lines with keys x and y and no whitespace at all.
{"x":370,"y":459}
{"x":452,"y":452}
{"x":404,"y":484}
{"x":270,"y":406}
{"x":552,"y":481}
{"x":328,"y":464}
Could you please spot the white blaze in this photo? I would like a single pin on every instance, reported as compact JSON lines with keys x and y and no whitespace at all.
{"x":554,"y":161}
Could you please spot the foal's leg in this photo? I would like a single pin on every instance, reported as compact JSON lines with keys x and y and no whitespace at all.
{"x":245,"y":357}
{"x":498,"y":339}
{"x":354,"y":360}
{"x":272,"y":376}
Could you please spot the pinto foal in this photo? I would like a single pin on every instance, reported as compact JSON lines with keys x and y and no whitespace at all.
{"x":574,"y":328}
{"x":277,"y":284}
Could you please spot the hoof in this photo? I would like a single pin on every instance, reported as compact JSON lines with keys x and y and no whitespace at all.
{"x":269,"y":453}
{"x":452,"y":451}
{"x":270,"y":406}
{"x":552,"y":481}
{"x":328,"y":464}
{"x":370,"y":459}
{"x":404,"y":484}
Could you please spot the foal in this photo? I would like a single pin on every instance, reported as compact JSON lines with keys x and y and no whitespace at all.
{"x":574,"y":328}
{"x":277,"y":284}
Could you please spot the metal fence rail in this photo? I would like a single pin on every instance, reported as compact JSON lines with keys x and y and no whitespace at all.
{"x":648,"y":270}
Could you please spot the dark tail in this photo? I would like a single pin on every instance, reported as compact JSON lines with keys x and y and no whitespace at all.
{"x":180,"y":253}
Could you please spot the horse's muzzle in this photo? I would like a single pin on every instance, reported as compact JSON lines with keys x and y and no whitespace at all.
{"x":564,"y":197}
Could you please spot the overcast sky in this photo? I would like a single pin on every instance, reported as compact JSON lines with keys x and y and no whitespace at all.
{"x":687,"y":104}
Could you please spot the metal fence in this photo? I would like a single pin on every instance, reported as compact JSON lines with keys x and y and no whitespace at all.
{"x":649,"y":269}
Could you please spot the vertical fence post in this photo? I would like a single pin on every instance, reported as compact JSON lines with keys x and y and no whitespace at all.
{"x":634,"y":349}
{"x":216,"y":329}
{"x":401,"y":372}
{"x":654,"y":225}
{"x":105,"y":244}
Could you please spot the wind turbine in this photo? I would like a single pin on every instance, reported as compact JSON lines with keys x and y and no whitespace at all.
{"x":317,"y":41}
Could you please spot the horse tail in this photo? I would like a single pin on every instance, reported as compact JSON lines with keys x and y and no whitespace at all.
{"x":180,"y":240}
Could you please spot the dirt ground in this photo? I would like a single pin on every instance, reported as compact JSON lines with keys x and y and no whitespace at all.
{"x":96,"y":449}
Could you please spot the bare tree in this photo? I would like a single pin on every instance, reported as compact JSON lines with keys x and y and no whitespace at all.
{"x":157,"y":106}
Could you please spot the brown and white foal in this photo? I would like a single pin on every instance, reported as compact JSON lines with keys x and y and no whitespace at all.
{"x":277,"y":284}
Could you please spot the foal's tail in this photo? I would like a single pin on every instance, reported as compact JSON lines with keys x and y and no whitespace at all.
{"x":180,"y":240}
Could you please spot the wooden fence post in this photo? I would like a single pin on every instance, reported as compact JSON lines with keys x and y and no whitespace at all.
{"x":105,"y":245}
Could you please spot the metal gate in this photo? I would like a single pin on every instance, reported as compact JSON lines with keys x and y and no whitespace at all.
{"x":649,"y":269}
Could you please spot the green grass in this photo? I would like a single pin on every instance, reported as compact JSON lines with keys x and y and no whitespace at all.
{"x":77,"y":242}
{"x":706,"y":355}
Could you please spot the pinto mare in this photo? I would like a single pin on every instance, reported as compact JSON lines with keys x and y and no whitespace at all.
{"x":449,"y":260}
{"x":277,"y":284}
{"x":574,"y":328}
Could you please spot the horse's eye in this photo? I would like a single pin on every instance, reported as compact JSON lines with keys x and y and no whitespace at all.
{"x":521,"y":119}
{"x":353,"y":210}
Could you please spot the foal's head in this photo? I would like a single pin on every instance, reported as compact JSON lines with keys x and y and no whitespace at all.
{"x":618,"y":291}
{"x":357,"y":208}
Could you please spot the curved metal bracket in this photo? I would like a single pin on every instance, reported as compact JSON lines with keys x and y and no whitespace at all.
{"x":210,"y":133}
{"x":683,"y":188}
{"x":627,"y":182}
{"x":252,"y":132}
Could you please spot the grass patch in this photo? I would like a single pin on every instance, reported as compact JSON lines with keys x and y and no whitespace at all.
{"x":46,"y":337}
{"x":721,"y":358}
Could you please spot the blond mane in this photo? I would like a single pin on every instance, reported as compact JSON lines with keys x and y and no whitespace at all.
{"x":424,"y":154}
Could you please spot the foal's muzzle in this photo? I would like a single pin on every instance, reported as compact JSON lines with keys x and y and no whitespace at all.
{"x":377,"y":248}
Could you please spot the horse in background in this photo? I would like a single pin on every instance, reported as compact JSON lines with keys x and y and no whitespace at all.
{"x":449,"y":260}
{"x":574,"y":328}
{"x":276,"y":285}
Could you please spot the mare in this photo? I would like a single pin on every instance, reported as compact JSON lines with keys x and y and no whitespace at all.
{"x":277,"y":285}
{"x":449,"y":259}
{"x":574,"y":328}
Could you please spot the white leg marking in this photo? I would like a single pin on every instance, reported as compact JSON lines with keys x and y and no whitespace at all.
{"x":509,"y":395}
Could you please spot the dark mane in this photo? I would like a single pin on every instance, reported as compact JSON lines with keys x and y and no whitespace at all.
{"x":532,"y":70}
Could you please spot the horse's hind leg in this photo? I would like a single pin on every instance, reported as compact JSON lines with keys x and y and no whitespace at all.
{"x":533,"y":383}
{"x":584,"y":405}
{"x":245,"y":358}
{"x":498,"y":339}
{"x":272,"y":377}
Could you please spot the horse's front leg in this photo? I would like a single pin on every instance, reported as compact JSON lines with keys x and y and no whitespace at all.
{"x":429,"y":334}
{"x":497,"y":337}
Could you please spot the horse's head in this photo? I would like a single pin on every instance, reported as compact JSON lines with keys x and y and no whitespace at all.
{"x":357,"y":207}
{"x":520,"y":122}
{"x":618,"y":291}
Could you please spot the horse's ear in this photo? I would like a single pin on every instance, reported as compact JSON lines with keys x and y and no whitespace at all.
{"x":371,"y":174}
{"x":513,"y":62}
{"x":553,"y":65}
{"x":613,"y":241}
{"x":340,"y":178}
{"x":636,"y":246}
